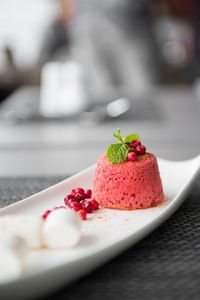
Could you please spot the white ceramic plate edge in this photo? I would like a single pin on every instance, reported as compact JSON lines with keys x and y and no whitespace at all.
{"x":86,"y":264}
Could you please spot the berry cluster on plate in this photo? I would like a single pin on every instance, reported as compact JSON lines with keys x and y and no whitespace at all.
{"x":80,"y":201}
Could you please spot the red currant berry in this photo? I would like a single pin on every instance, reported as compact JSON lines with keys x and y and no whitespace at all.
{"x":132,"y":150}
{"x":45,"y":214}
{"x":134,"y":144}
{"x":87,"y":206}
{"x":83,"y":214}
{"x":88,"y":194}
{"x":69,"y":198}
{"x":132,"y":156}
{"x":95,"y":204}
{"x":140,"y":149}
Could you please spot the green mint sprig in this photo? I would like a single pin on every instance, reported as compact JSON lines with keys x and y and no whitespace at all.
{"x":118,"y":136}
{"x":131,"y":137}
{"x":117,"y":153}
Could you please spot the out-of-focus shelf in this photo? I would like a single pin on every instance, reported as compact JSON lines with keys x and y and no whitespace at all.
{"x":59,"y":148}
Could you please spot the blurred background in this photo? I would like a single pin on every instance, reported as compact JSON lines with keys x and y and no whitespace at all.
{"x":72,"y":72}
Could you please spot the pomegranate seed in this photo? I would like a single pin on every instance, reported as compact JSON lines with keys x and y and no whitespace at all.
{"x":69,"y":203}
{"x":73,"y":191}
{"x":132,"y":156}
{"x":45,"y":214}
{"x":95,"y":204}
{"x":78,"y":190}
{"x":68,"y":198}
{"x":140,"y":149}
{"x":83,"y":214}
{"x":79,"y":193}
{"x":87,"y":206}
{"x":88,"y":194}
{"x":80,"y":196}
{"x":74,"y":205}
{"x":134,"y":144}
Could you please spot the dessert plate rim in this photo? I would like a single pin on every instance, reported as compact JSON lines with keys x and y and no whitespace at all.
{"x":120,"y":245}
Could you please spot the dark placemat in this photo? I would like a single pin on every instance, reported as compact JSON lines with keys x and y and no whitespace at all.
{"x":15,"y":189}
{"x":165,"y":265}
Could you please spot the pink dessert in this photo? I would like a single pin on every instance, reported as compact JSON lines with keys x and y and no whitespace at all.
{"x":128,"y":185}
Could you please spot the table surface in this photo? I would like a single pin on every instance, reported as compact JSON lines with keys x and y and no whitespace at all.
{"x":167,"y":119}
{"x":165,"y":265}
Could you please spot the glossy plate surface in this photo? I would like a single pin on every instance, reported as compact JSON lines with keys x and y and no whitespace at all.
{"x":107,"y":233}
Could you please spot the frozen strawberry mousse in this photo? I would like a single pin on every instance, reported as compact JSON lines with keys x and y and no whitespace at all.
{"x":128,"y":185}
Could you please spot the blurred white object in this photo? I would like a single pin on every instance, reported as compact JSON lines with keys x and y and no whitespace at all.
{"x":118,"y":107}
{"x":23,"y":26}
{"x":12,"y":253}
{"x":62,"y":90}
{"x":62,"y":229}
{"x":100,"y":113}
{"x":26,"y":227}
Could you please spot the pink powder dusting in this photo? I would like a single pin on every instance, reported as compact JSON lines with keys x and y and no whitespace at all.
{"x":128,"y":185}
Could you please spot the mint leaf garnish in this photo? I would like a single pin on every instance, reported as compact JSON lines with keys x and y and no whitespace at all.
{"x":131,"y":137}
{"x":118,"y":136}
{"x":117,"y":153}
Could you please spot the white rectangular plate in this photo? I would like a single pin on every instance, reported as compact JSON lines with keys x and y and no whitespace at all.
{"x":107,"y":233}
